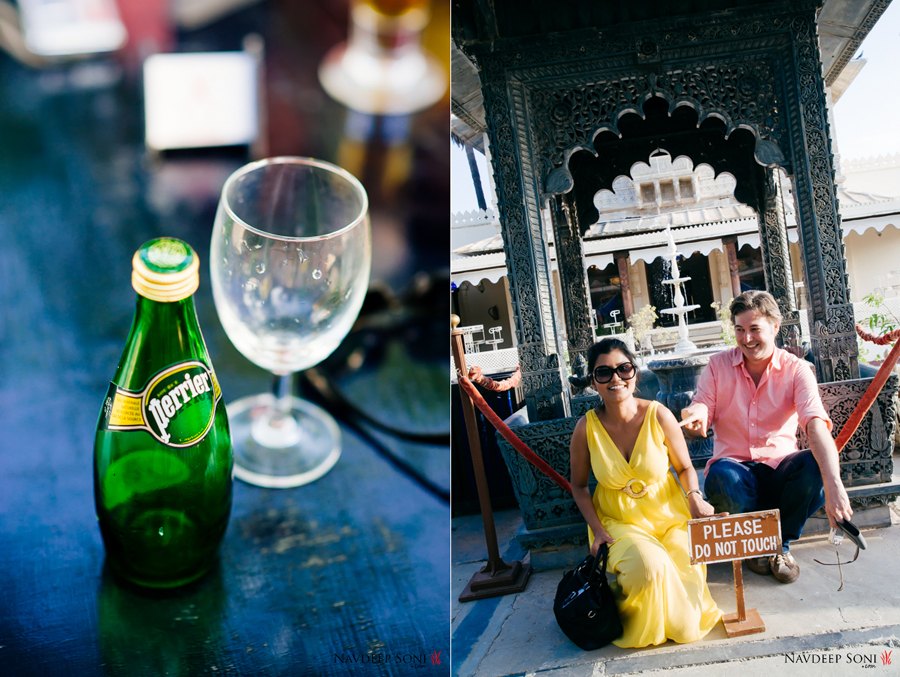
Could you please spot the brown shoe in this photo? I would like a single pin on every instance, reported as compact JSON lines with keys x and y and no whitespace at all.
{"x":760,"y":565}
{"x":784,"y":568}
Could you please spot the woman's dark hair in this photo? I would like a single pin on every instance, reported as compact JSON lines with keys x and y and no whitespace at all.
{"x":605,"y":347}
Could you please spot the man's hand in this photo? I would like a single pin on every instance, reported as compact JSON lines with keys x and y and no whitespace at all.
{"x":694,"y":419}
{"x":837,"y":505}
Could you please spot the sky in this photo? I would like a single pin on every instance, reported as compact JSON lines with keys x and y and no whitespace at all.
{"x":866,"y":118}
{"x":462,"y":190}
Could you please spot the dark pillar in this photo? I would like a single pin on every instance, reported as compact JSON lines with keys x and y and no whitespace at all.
{"x":622,"y":263}
{"x":527,"y":256}
{"x":476,"y":177}
{"x":777,"y":257}
{"x":831,"y":313}
{"x":573,"y":278}
{"x":733,"y":268}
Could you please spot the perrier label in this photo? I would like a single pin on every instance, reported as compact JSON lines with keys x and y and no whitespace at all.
{"x":177,"y":406}
{"x":162,"y":452}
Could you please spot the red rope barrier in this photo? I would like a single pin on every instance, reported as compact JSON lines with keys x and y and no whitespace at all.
{"x":882,"y":340}
{"x":478,"y":377}
{"x":881,"y":376}
{"x":509,"y":435}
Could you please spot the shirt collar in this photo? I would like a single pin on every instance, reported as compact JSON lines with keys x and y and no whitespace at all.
{"x":778,"y":357}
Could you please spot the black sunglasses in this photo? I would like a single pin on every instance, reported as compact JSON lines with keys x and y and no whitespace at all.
{"x":626,"y":372}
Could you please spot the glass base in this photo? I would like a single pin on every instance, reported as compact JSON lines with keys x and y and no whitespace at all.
{"x":281,"y":451}
{"x":382,"y":86}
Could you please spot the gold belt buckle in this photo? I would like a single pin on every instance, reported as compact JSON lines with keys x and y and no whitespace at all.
{"x":635,"y":492}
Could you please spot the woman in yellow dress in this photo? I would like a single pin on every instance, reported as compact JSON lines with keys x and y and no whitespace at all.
{"x":638,"y":507}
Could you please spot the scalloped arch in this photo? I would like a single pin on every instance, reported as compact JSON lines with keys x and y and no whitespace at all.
{"x":767,"y":151}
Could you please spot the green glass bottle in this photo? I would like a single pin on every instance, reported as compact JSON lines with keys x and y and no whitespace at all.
{"x":162,"y":452}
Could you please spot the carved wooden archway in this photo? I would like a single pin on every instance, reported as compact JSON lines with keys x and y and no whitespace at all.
{"x":679,"y":133}
{"x":547,"y":97}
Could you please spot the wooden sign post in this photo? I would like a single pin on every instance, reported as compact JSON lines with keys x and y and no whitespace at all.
{"x":734,"y":538}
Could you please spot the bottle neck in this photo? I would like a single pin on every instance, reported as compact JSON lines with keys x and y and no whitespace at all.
{"x":165,"y":314}
{"x":172,"y":327}
{"x":162,"y":334}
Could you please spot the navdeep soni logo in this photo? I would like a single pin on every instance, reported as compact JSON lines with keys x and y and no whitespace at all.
{"x":862,"y":658}
{"x":424,"y":660}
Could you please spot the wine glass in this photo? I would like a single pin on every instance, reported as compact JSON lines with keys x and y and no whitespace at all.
{"x":289,"y":260}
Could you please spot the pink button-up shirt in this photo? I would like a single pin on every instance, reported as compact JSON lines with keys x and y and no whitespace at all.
{"x":758,"y":422}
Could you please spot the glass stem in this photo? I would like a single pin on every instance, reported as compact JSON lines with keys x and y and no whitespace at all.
{"x":276,"y":428}
{"x":281,"y":390}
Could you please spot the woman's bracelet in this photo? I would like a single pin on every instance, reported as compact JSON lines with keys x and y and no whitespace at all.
{"x":695,"y":491}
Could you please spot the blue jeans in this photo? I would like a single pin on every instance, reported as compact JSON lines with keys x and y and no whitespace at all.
{"x":794,"y":487}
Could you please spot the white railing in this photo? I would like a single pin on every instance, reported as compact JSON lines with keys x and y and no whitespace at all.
{"x":491,"y":362}
{"x":475,"y":217}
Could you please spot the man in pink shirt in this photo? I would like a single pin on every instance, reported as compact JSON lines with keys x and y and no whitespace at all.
{"x":756,"y":395}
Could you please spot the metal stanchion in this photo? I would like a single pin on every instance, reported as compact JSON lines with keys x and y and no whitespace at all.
{"x":496,"y":577}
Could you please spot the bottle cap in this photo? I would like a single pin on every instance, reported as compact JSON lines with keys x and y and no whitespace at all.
{"x":165,"y":269}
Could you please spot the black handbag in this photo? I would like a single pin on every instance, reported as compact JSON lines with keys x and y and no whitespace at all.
{"x":584,"y":606}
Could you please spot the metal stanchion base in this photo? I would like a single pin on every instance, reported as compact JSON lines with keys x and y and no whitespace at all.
{"x":507,"y":581}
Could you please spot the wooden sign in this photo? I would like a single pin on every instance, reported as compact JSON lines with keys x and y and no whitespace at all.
{"x":733,"y":538}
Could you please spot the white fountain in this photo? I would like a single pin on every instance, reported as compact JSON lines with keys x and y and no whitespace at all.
{"x":677,"y":373}
{"x":676,"y":281}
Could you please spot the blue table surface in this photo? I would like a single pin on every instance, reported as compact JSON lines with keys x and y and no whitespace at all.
{"x":349,"y":575}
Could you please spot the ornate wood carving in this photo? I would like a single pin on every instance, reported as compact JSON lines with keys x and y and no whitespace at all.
{"x":547,"y":97}
{"x":733,"y":267}
{"x":831,"y":314}
{"x":527,"y":256}
{"x":777,"y":258}
{"x":622,"y":263}
{"x":581,"y":105}
{"x":543,"y":503}
{"x":867,"y":457}
{"x":573,"y":277}
{"x":554,"y":539}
